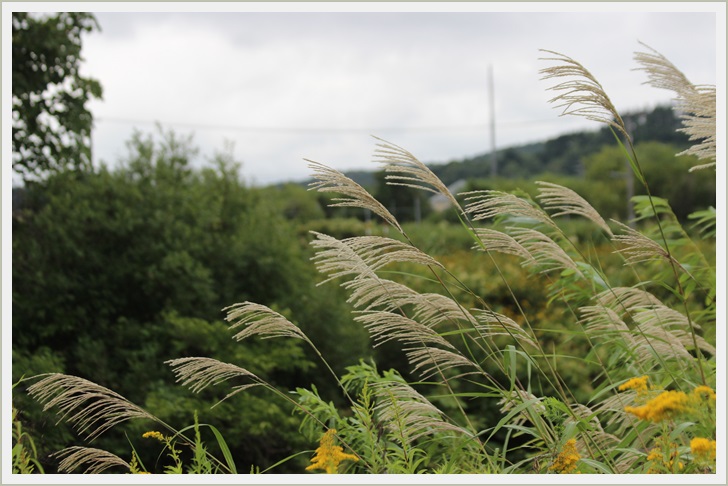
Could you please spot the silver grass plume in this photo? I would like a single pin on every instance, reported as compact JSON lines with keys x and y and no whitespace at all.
{"x":637,"y":247}
{"x":429,"y":361}
{"x":95,"y":461}
{"x":518,"y":397}
{"x":490,"y":204}
{"x":594,"y":435}
{"x":435,"y":309}
{"x":660,"y":332}
{"x":336,"y":259}
{"x":387,"y":326}
{"x":361,"y":256}
{"x":626,"y":297}
{"x":259,"y":320}
{"x":331,"y":180}
{"x":379,"y":251}
{"x":407,"y":171}
{"x":696,"y":104}
{"x":491,"y":323}
{"x":92,"y":409}
{"x":199,"y":373}
{"x":566,"y":201}
{"x":497,"y":241}
{"x":407,"y":414}
{"x":668,"y":330}
{"x":603,"y":323}
{"x":545,"y":253}
{"x":374,"y":293}
{"x":429,"y":309}
{"x":581,"y":95}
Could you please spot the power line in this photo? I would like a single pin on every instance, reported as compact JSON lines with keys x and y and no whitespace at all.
{"x":309,"y":130}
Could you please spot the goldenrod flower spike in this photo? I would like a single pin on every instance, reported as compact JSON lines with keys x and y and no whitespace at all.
{"x":637,"y":384}
{"x":328,"y":456}
{"x":704,"y":393}
{"x":154,"y":435}
{"x":666,"y":405}
{"x":566,"y":461}
{"x":703,"y":449}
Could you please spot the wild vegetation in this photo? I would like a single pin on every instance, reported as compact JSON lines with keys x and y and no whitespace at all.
{"x":527,"y":332}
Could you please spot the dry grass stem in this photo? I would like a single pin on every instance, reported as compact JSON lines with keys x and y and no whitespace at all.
{"x":429,"y":361}
{"x":387,"y":326}
{"x":696,"y":104}
{"x":582,"y":95}
{"x":331,"y":180}
{"x":410,"y":172}
{"x":95,"y":461}
{"x":517,"y":397}
{"x":92,"y":409}
{"x":623,"y":298}
{"x":490,"y":204}
{"x":566,"y":201}
{"x":497,"y":241}
{"x":379,"y":251}
{"x":259,"y":320}
{"x":199,"y":373}
{"x":408,"y":414}
{"x":545,"y":252}
{"x":494,"y":324}
{"x":374,"y":293}
{"x":638,"y":247}
{"x":360,"y":257}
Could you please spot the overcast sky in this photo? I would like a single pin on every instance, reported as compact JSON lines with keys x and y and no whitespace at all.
{"x":287,"y":86}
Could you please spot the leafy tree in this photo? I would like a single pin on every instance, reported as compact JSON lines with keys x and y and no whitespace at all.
{"x":668,"y":175}
{"x":51,"y":124}
{"x":115,"y":272}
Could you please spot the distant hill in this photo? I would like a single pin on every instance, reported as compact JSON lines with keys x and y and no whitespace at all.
{"x":560,"y":155}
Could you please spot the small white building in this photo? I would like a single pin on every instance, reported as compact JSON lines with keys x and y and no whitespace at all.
{"x":440,"y":203}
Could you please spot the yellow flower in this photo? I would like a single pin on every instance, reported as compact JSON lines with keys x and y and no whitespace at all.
{"x":657,"y":462}
{"x":566,"y":461}
{"x":704,"y":393}
{"x":638,"y":384}
{"x":154,"y":435}
{"x":328,"y":456}
{"x":654,"y":454}
{"x":664,"y":406}
{"x":703,"y":449}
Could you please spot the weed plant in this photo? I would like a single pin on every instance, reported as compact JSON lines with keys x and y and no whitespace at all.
{"x":608,"y":368}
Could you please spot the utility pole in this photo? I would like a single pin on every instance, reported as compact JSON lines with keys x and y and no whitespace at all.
{"x":491,"y":97}
{"x":629,"y":175}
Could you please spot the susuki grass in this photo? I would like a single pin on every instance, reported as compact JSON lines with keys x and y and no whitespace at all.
{"x":645,"y":335}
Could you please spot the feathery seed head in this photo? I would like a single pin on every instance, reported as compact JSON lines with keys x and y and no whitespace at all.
{"x":96,"y":461}
{"x":581,"y":95}
{"x":696,"y":104}
{"x":259,"y":320}
{"x":91,"y":408}
{"x":407,"y":171}
{"x":331,"y":180}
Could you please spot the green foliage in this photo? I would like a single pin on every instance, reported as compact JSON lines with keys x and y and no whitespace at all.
{"x":376,"y":428}
{"x":666,"y":175}
{"x":51,"y":124}
{"x":24,"y":452}
{"x":116,"y":271}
